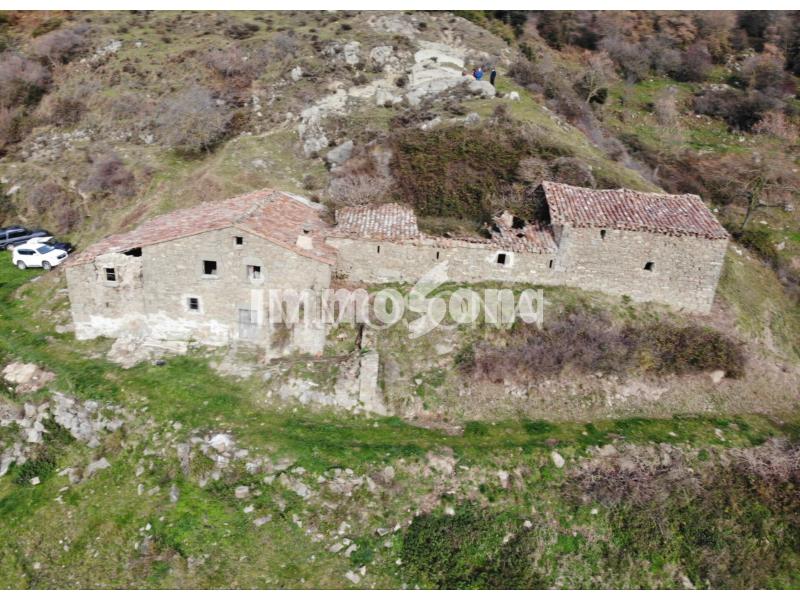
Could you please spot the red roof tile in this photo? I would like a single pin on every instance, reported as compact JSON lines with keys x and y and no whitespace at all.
{"x":276,"y":216}
{"x":377,"y":221}
{"x":397,"y":222}
{"x":670,"y":214}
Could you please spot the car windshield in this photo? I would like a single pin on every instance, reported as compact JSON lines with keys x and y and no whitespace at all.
{"x":44,"y":249}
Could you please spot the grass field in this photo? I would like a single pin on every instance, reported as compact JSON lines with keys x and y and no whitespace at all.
{"x":103,"y":532}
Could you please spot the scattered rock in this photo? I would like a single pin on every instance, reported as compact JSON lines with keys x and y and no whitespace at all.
{"x":296,"y":73}
{"x":717,"y":375}
{"x":221,"y":442}
{"x":503,"y":475}
{"x":260,"y":521}
{"x":95,"y":466}
{"x":558,"y":460}
{"x":27,"y":377}
{"x":241,"y":492}
{"x":354,"y":577}
{"x":472,"y":118}
{"x":174,"y":494}
{"x":352,"y":53}
{"x":513,"y":96}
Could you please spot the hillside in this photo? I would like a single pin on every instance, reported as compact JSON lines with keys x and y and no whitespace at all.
{"x":624,"y":445}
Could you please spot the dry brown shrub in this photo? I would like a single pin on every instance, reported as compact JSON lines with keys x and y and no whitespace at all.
{"x":777,"y":124}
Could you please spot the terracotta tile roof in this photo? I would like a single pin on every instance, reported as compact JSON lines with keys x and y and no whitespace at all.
{"x":670,"y":214}
{"x":377,"y":222}
{"x":276,"y":216}
{"x":397,"y":222}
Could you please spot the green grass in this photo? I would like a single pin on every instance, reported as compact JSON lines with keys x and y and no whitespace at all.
{"x":97,"y":535}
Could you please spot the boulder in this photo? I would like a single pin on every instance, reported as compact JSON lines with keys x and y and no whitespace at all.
{"x":27,"y":377}
{"x":352,"y":53}
{"x":95,"y":466}
{"x":340,"y":154}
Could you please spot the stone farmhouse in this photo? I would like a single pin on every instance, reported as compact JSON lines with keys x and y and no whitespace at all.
{"x":197,"y":273}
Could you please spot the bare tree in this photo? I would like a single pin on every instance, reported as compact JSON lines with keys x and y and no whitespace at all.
{"x":22,"y":81}
{"x":357,"y":189}
{"x":192,"y":121}
{"x":599,"y":70}
{"x":764,"y":184}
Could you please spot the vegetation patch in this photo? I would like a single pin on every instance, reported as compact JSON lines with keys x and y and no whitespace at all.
{"x":590,"y":343}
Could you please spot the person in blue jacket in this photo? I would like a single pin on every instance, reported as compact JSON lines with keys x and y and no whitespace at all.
{"x":478,"y":73}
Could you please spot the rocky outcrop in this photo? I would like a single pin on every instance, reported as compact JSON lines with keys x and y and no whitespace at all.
{"x":86,"y":422}
{"x":26,"y":377}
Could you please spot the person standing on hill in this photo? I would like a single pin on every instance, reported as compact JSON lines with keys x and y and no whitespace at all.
{"x":478,"y":73}
{"x":492,"y":76}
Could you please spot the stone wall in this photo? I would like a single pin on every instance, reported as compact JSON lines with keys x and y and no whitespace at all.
{"x":684,"y":272}
{"x":151,"y":297}
{"x":383,"y":262}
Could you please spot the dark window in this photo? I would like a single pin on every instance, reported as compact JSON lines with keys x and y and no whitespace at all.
{"x":194,"y":303}
{"x":238,"y":240}
{"x":501,"y":258}
{"x":111,"y":274}
{"x":437,"y":256}
{"x":15,"y":234}
{"x":648,"y":266}
{"x":209,"y":267}
{"x":379,"y":249}
{"x":254,"y":271}
{"x":602,"y":234}
{"x":134,"y":252}
{"x":27,"y":252}
{"x":550,"y":265}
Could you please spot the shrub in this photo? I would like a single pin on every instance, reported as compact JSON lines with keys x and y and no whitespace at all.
{"x":67,"y":111}
{"x":741,"y":110}
{"x":591,"y":343}
{"x":14,"y":125}
{"x":46,"y":195}
{"x":632,"y":60}
{"x":22,"y":81}
{"x":359,"y":188}
{"x":110,"y":176}
{"x":241,"y":31}
{"x":695,"y":63}
{"x":191,"y":121}
{"x":475,"y":429}
{"x":452,"y":171}
{"x":59,"y":46}
{"x":776,"y":123}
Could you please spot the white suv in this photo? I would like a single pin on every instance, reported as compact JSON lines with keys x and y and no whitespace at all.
{"x":37,"y":254}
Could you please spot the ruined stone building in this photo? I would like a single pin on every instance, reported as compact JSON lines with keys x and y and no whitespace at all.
{"x":198,"y":273}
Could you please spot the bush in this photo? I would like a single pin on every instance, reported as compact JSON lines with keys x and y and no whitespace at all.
{"x":451,"y":172}
{"x":67,"y":111}
{"x":110,"y":176}
{"x":59,"y":46}
{"x":191,"y":121}
{"x":591,"y":343}
{"x":463,"y":551}
{"x":741,"y":110}
{"x":695,"y":63}
{"x":632,"y":60}
{"x":22,"y":81}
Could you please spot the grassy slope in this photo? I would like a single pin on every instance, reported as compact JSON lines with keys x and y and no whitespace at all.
{"x":91,"y":538}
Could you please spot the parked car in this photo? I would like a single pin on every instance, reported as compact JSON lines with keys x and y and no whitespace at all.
{"x":16,"y":235}
{"x":51,"y":241}
{"x":34,"y":254}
